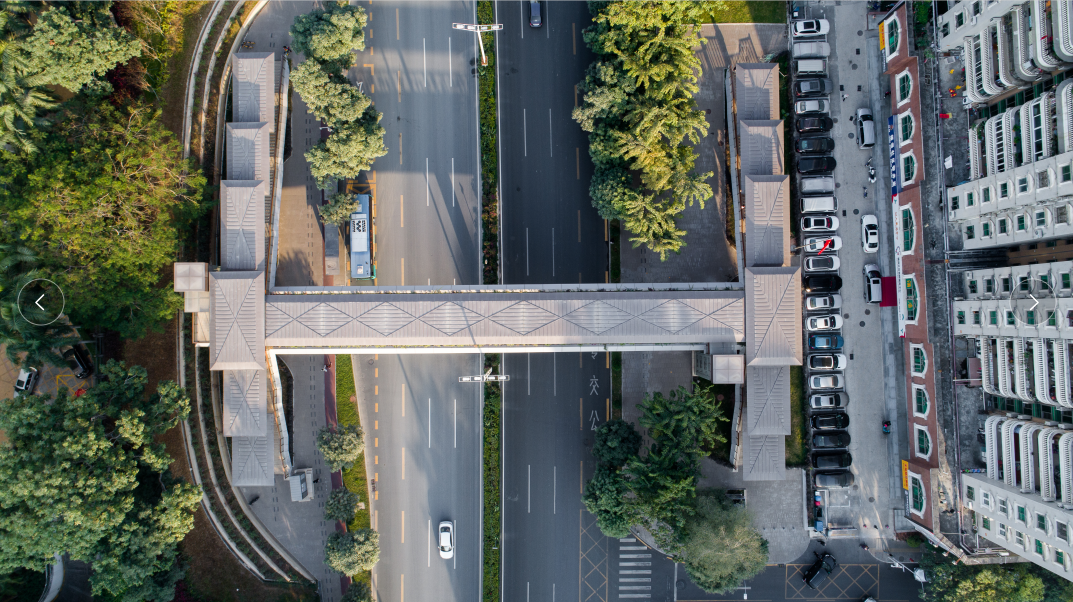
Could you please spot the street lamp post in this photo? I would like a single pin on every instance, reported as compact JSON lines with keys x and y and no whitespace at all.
{"x":478,"y":29}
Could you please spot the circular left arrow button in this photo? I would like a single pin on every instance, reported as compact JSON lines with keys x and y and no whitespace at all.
{"x":41,"y":302}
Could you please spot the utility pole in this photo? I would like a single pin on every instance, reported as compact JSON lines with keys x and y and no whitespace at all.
{"x":478,"y":29}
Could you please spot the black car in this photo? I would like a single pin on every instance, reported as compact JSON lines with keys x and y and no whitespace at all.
{"x":815,"y":144}
{"x":823,"y":284}
{"x":830,"y":440}
{"x":818,"y":123}
{"x":817,"y":573}
{"x":534,"y":14}
{"x":833,"y":480}
{"x":836,"y":420}
{"x":829,"y":461}
{"x":816,"y":165}
{"x":814,"y":86}
{"x":78,"y":360}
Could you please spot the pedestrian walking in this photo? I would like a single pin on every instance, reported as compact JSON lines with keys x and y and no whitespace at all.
{"x":864,"y":547}
{"x":325,"y":367}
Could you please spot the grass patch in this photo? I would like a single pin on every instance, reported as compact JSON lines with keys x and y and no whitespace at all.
{"x":489,"y":157}
{"x":614,"y":268}
{"x":789,"y":158}
{"x":493,"y":402}
{"x":616,"y":384}
{"x":355,"y":479}
{"x":796,"y":450}
{"x":749,"y":11}
{"x":723,"y":395}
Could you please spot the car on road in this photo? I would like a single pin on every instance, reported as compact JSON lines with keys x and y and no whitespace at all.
{"x":821,"y":263}
{"x":814,"y":144}
{"x":827,"y":361}
{"x":817,"y":123}
{"x":78,"y":360}
{"x":534,"y":14}
{"x":812,"y":106}
{"x":833,"y":480}
{"x":26,"y":381}
{"x":816,"y":323}
{"x":818,"y":572}
{"x":830,"y":440}
{"x":811,"y":27}
{"x":819,"y":302}
{"x":828,"y":461}
{"x":815,"y":244}
{"x":870,"y":233}
{"x":813,"y":86}
{"x":815,"y":165}
{"x":819,"y":223}
{"x":823,"y":284}
{"x":826,"y":381}
{"x":825,"y":342}
{"x":834,"y":420}
{"x":446,"y":539}
{"x":828,"y":401}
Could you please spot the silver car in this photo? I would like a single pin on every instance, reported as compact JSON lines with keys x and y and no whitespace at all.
{"x":446,"y":539}
{"x":821,"y":263}
{"x":817,"y":323}
{"x":821,"y":302}
{"x":826,"y":381}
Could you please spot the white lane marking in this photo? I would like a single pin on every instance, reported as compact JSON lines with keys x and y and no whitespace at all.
{"x":527,"y":251}
{"x":450,"y":65}
{"x":456,"y":424}
{"x":521,"y":27}
{"x":547,"y":13}
{"x":528,"y":374}
{"x":430,"y":418}
{"x":554,"y":487}
{"x":424,"y":60}
{"x":428,"y":187}
{"x":553,"y":252}
{"x":452,"y":181}
{"x":454,"y":559}
{"x":551,"y":143}
{"x":554,"y":376}
{"x":430,"y":542}
{"x":529,"y":492}
{"x":525,"y":137}
{"x":552,"y":592}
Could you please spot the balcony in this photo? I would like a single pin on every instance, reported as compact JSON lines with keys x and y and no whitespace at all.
{"x":972,"y":86}
{"x":1048,"y":446}
{"x":1009,"y":134}
{"x":987,"y":366}
{"x":1042,"y":373}
{"x":992,"y":445}
{"x":1003,"y":369}
{"x":1064,"y":103}
{"x":977,"y":169}
{"x":996,"y":144}
{"x":1045,"y":58}
{"x":986,"y":53}
{"x":1011,"y":454}
{"x":1061,"y":373}
{"x":1006,"y":75}
{"x":1021,"y":370}
{"x":1065,"y":467}
{"x":1029,"y":459}
{"x":1063,"y":19}
{"x":1022,"y":47}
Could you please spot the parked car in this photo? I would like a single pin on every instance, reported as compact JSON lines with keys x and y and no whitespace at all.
{"x":815,"y":244}
{"x":819,"y":223}
{"x":825,"y":342}
{"x":826,"y":381}
{"x":835,"y":420}
{"x":817,"y":123}
{"x":813,"y":86}
{"x":78,"y":360}
{"x":828,"y":461}
{"x":823,"y":284}
{"x":447,"y":539}
{"x":834,"y":480}
{"x":534,"y":14}
{"x":815,"y":165}
{"x":812,"y":106}
{"x":814,"y":144}
{"x":828,"y":401}
{"x":806,"y":50}
{"x":827,"y":361}
{"x":873,"y":284}
{"x":830,"y":440}
{"x":26,"y":381}
{"x":818,"y":572}
{"x":811,"y":27}
{"x":866,"y":129}
{"x":821,"y":263}
{"x":870,"y":233}
{"x":818,"y":302}
{"x":831,"y":322}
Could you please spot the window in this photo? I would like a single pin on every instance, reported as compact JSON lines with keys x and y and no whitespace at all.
{"x":1046,"y":280}
{"x":908,"y":230}
{"x":972,"y":287}
{"x":910,"y":299}
{"x":987,"y":194}
{"x":1002,"y":531}
{"x":993,"y":315}
{"x":1030,"y":317}
{"x":1060,"y":557}
{"x":1022,"y":515}
{"x":1061,"y":531}
{"x":909,"y":168}
{"x":1006,"y":284}
{"x":1021,"y":227}
{"x":987,"y":523}
{"x":1061,"y":214}
{"x":921,"y":402}
{"x":1039,"y":547}
{"x":976,"y":8}
{"x":1022,"y":185}
{"x":1052,"y":318}
{"x":970,"y":232}
{"x":906,"y":122}
{"x":1066,"y":173}
{"x":892,"y":37}
{"x":1069,"y":318}
{"x":916,"y":488}
{"x":1041,"y":522}
{"x":1004,"y":190}
{"x":959,"y":19}
{"x":975,"y":317}
{"x":945,"y":29}
{"x":989,"y":285}
{"x":923,"y":442}
{"x":961,"y":317}
{"x":970,"y":199}
{"x":920,"y":360}
{"x":987,"y":229}
{"x":1041,"y":219}
{"x":970,"y":493}
{"x":1065,"y":280}
{"x":1003,"y":508}
{"x":1043,"y":179}
{"x":1009,"y":318}
{"x":1019,"y":538}
{"x":1022,"y":283}
{"x":905,"y":87}
{"x":1002,"y":228}
{"x":954,"y":203}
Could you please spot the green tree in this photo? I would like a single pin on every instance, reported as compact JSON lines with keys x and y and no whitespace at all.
{"x":25,"y":341}
{"x":86,"y":475}
{"x":951,"y":581}
{"x":605,"y":498}
{"x":330,"y":35}
{"x":340,"y":206}
{"x":359,"y":591}
{"x":351,"y":552}
{"x":720,"y":546}
{"x":616,"y":442}
{"x":100,"y":205}
{"x":74,"y":45}
{"x":348,"y":150}
{"x":341,"y":446}
{"x":329,"y":97}
{"x":21,"y":97}
{"x":341,"y":505}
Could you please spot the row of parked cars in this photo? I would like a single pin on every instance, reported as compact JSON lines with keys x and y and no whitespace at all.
{"x":77,"y":359}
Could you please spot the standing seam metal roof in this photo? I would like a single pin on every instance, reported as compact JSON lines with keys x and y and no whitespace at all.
{"x":238,"y":320}
{"x":768,"y":400}
{"x":764,"y":458}
{"x":247,"y":151}
{"x":243,"y":225}
{"x":767,"y":221}
{"x":756,"y":90}
{"x":773,"y":331}
{"x":253,"y":87}
{"x":245,"y":405}
{"x":761,"y":148}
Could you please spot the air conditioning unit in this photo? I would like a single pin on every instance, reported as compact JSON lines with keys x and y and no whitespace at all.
{"x":1039,"y":233}
{"x":974,"y":19}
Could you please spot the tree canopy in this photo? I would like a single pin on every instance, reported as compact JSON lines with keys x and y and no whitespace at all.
{"x":341,"y":446}
{"x":950,"y":581}
{"x":616,"y":443}
{"x":350,"y":552}
{"x":331,"y":34}
{"x":720,"y":546}
{"x":341,"y":505}
{"x":340,"y":206}
{"x":84,"y":475}
{"x":98,"y":205}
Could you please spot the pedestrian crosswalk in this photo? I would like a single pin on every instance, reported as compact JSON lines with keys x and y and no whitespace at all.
{"x":634,"y":569}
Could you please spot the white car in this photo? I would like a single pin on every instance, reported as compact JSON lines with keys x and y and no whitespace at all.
{"x":812,"y":106}
{"x":818,"y":302}
{"x":870,"y":233}
{"x":818,"y":323}
{"x":819,"y":223}
{"x":827,"y":361}
{"x":821,"y":263}
{"x":26,"y":381}
{"x":814,"y":244}
{"x":446,"y":539}
{"x":811,"y":27}
{"x":827,"y":402}
{"x":826,"y":381}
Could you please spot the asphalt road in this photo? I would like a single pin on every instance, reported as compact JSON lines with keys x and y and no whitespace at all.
{"x":550,"y":231}
{"x":419,"y":73}
{"x":422,"y":430}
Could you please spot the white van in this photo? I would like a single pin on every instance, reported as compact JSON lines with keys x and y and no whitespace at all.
{"x":805,"y":50}
{"x":817,"y":185}
{"x":866,"y":129}
{"x":811,"y":67}
{"x":819,"y":204}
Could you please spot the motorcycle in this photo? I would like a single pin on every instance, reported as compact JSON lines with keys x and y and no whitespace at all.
{"x":247,"y":44}
{"x":871,"y":172}
{"x":886,"y":427}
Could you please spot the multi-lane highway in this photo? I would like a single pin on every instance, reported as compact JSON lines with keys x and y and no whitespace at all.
{"x":550,"y":231}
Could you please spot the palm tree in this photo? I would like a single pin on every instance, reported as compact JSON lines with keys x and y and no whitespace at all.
{"x":27,"y":343}
{"x":21,"y":93}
